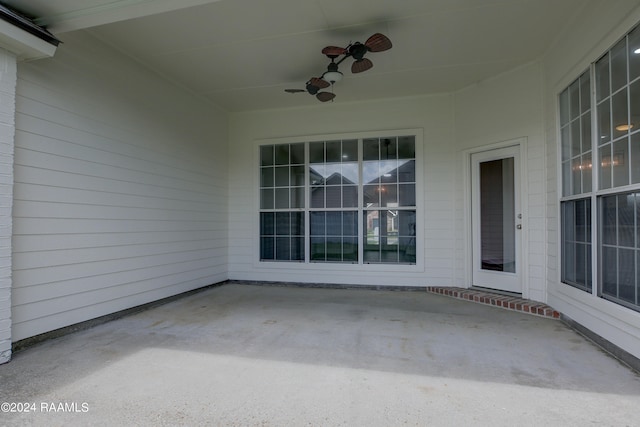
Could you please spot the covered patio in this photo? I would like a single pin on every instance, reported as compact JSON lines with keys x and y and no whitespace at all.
{"x":241,"y":354}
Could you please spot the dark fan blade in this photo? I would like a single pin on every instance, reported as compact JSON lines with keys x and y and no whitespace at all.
{"x":294,"y":90}
{"x":361,"y":65}
{"x":333,"y":51}
{"x":378,"y":43}
{"x":325,"y":96}
{"x":319,"y":83}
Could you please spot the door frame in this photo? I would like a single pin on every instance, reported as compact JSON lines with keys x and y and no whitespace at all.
{"x":468,"y":217}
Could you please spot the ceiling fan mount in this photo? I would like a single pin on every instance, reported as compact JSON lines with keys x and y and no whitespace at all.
{"x":376,"y":43}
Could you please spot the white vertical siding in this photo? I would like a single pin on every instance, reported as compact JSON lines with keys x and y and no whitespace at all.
{"x":120,"y":188}
{"x":7,"y":131}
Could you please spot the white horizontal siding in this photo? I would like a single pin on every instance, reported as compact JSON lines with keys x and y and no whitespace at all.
{"x":7,"y":112}
{"x":432,"y":114}
{"x":120,"y":193}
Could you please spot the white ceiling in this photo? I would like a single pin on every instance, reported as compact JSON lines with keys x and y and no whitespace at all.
{"x":242,"y":54}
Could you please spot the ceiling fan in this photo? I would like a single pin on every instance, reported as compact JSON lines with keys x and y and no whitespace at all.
{"x":376,"y":43}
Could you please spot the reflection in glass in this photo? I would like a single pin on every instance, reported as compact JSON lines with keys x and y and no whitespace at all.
{"x":604,"y":122}
{"x":389,"y":236}
{"x":605,"y":166}
{"x":620,"y":162}
{"x":497,"y":215}
{"x":620,"y":114}
{"x":619,"y":65}
{"x":602,"y":78}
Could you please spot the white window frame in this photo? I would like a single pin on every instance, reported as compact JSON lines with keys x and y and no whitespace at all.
{"x":339,"y":266}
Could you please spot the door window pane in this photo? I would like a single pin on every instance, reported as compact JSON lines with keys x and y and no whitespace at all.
{"x":497,"y":215}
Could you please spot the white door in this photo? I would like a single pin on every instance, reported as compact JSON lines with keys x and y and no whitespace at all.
{"x":496,"y":219}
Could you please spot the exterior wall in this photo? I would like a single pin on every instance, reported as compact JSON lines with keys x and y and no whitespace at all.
{"x":120,"y":188}
{"x":7,"y":132}
{"x":505,"y":108}
{"x":595,"y":29}
{"x":433,"y":114}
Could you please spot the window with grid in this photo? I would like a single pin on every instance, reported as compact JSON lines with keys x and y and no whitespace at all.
{"x":613,"y":151}
{"x":358,"y":197}
{"x":577,"y":166}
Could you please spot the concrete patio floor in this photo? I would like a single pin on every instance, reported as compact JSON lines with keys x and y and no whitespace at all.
{"x":279,"y":356}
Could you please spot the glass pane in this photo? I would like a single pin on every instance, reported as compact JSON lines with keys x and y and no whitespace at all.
{"x":334,"y":151}
{"x":602,"y":78}
{"x":282,"y":176}
{"x":388,"y":149}
{"x":297,"y":248}
{"x":569,"y":262}
{"x":266,"y":177}
{"x":620,"y":163}
{"x":350,"y":224}
{"x":585,"y":92}
{"x":334,"y":223}
{"x":604,"y":122}
{"x":609,"y":271}
{"x":267,"y":248}
{"x":389,"y":196}
{"x":587,"y":176}
{"x":566,"y":178}
{"x":317,"y":252}
{"x":576,"y":146}
{"x":316,"y":152}
{"x":350,"y":173}
{"x":581,"y":268}
{"x":627,"y":275}
{"x":407,"y":196}
{"x":297,"y":154}
{"x":576,"y":176}
{"x":605,"y":166}
{"x":635,"y":158}
{"x":349,"y":151}
{"x":371,"y":195}
{"x":585,"y":122}
{"x":317,"y":223}
{"x":334,"y":248}
{"x":282,"y":198}
{"x":620,"y":114}
{"x":350,"y":249}
{"x":574,"y":100}
{"x":267,"y":224}
{"x":350,"y":196}
{"x":370,"y":149}
{"x":619,"y":65}
{"x":371,"y":172}
{"x":334,"y":197}
{"x":634,"y":54}
{"x":266,"y":199}
{"x":626,"y":220}
{"x":371,"y":229}
{"x":296,"y":177}
{"x":565,"y":140}
{"x":282,"y":154}
{"x":266,"y":155}
{"x":317,"y":172}
{"x":297,"y":197}
{"x":283,"y":248}
{"x":283,"y":223}
{"x":317,"y":197}
{"x":564,"y":107}
{"x":634,"y":98}
{"x":406,"y":147}
{"x":407,"y":171}
{"x":297,"y":223}
{"x":580,"y":221}
{"x":609,"y":220}
{"x":497,"y":215}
